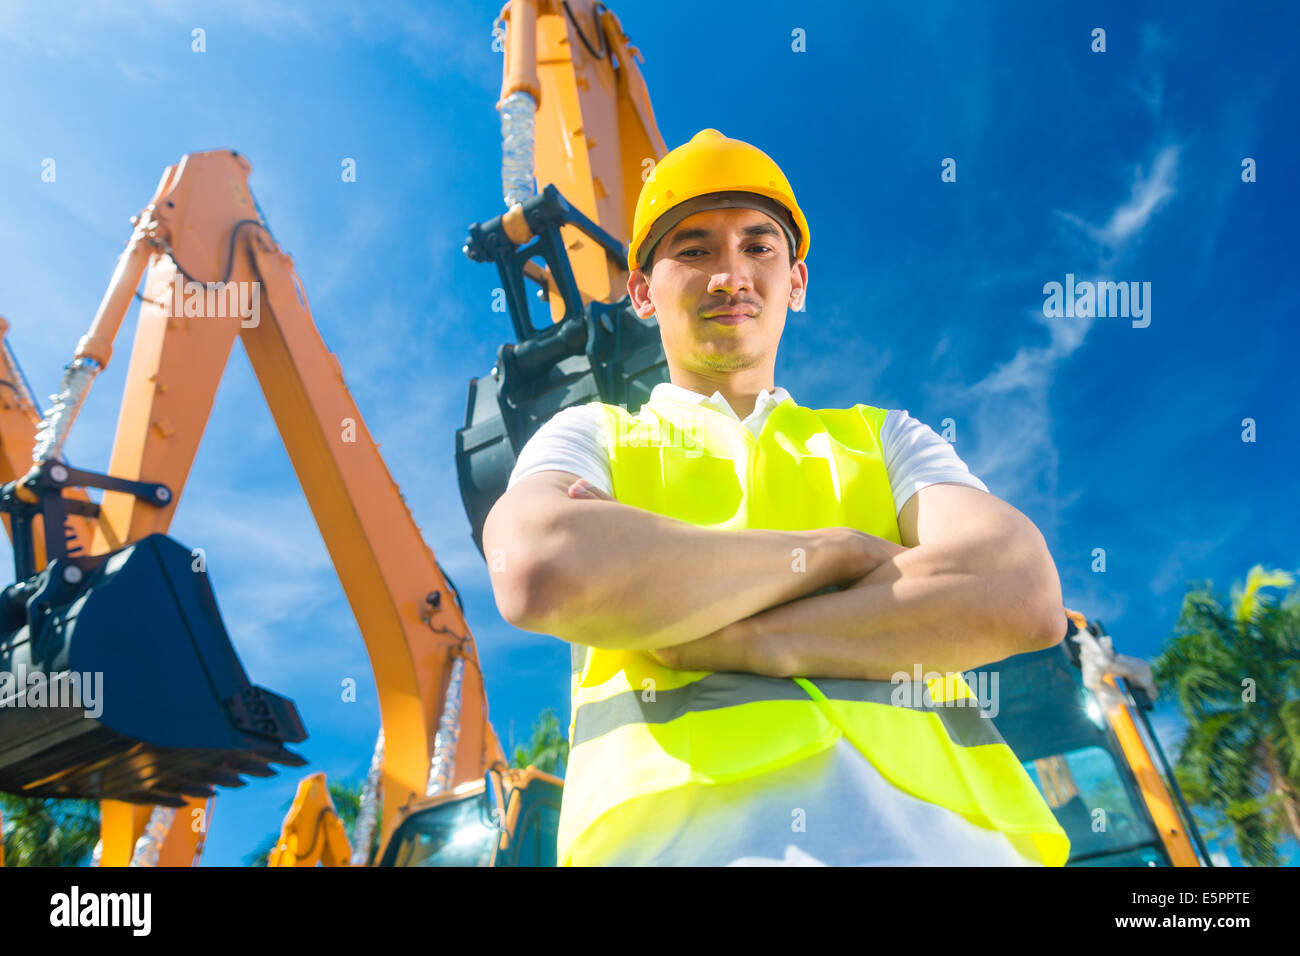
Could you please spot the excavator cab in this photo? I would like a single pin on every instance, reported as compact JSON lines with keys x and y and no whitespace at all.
{"x":484,"y":823}
{"x":1057,"y":728}
{"x":118,"y":679}
{"x":1069,"y":754}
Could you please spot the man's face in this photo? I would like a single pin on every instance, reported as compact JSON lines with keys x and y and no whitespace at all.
{"x":712,"y":263}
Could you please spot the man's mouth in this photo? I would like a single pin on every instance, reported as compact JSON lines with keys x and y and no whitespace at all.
{"x":730,"y":316}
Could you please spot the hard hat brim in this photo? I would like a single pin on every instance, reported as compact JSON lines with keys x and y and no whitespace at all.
{"x":670,"y":220}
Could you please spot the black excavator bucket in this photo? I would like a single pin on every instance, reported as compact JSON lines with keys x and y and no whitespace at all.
{"x":118,"y":681}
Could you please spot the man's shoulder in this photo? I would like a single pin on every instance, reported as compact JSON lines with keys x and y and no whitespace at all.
{"x":576,"y":423}
{"x":576,"y":416}
{"x":571,"y":440}
{"x":597,"y":416}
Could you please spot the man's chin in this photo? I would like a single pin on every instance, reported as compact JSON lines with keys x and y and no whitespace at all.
{"x":727,"y":361}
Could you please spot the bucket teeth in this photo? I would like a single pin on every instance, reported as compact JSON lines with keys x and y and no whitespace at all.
{"x":195,"y":790}
{"x":226,"y":780}
{"x":120,"y":768}
{"x":290,"y":759}
{"x":250,"y":767}
{"x":175,"y":712}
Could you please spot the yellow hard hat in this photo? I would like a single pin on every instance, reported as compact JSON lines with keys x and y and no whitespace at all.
{"x":713,"y":172}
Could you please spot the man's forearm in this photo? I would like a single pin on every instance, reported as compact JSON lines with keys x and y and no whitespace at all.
{"x":946,"y":607}
{"x":619,"y":577}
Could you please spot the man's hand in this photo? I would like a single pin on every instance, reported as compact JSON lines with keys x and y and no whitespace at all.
{"x":727,"y":649}
{"x":740,"y":646}
{"x":669,"y":656}
{"x":582,"y":488}
{"x":976,"y":584}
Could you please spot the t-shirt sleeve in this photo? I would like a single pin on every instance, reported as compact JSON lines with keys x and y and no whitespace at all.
{"x":573,"y":440}
{"x":915,"y":456}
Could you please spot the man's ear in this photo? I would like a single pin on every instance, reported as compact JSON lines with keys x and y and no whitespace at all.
{"x":638,"y":287}
{"x":798,"y":285}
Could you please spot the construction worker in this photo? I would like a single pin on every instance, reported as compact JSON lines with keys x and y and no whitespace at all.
{"x":770,"y":607}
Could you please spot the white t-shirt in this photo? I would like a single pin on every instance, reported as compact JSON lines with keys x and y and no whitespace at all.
{"x":833,"y":808}
{"x":573,"y":440}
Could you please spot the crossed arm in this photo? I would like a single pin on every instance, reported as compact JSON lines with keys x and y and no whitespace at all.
{"x":972,"y":583}
{"x":976,"y":585}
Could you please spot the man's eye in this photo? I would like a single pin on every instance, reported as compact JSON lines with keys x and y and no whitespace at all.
{"x":761,"y":246}
{"x":684,"y":251}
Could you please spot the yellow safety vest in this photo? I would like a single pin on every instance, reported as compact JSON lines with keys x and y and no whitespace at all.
{"x":638,"y":729}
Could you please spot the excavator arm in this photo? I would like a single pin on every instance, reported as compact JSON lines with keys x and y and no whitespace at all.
{"x":209,"y":231}
{"x":204,"y":246}
{"x":312,"y":832}
{"x":595,"y":136}
{"x":20,"y":417}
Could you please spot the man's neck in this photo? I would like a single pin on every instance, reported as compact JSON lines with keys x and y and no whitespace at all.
{"x":741,"y":396}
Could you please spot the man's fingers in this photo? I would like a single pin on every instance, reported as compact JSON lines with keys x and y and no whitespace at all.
{"x":585,"y":489}
{"x":663,"y":656}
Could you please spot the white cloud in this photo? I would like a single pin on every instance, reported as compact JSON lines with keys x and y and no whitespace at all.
{"x":1151,"y":92}
{"x":1009,"y":410}
{"x":138,"y":72}
{"x":1009,"y":413}
{"x":1153,"y":45}
{"x":1147,"y":194}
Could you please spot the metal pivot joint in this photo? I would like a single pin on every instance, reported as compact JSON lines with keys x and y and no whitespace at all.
{"x":544,"y":214}
{"x":595,"y":352}
{"x":47,"y":482}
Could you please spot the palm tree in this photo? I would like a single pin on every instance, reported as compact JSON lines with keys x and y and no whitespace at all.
{"x":1236,"y":675}
{"x":347,"y":804}
{"x":262,"y":852}
{"x":46,"y":832}
{"x":548,"y":750}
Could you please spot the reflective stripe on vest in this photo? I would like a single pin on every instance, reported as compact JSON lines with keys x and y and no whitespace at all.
{"x":638,"y":729}
{"x":963,"y":723}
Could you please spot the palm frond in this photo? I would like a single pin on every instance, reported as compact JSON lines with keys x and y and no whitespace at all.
{"x":1240,"y":758}
{"x":547,"y":749}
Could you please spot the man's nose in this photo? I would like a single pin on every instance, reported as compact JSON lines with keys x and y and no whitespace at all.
{"x":732,"y":276}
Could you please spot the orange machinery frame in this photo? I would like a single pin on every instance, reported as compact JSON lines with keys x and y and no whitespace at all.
{"x":598,"y":132}
{"x":203,"y":219}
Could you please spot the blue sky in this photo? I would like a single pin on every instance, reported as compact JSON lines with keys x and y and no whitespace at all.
{"x":923,"y":295}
